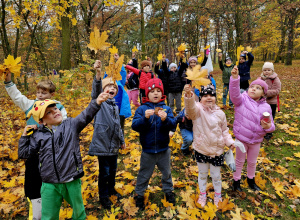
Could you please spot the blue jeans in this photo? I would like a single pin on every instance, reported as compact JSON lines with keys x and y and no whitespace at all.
{"x":225,"y":92}
{"x":187,"y":137}
{"x":107,"y":174}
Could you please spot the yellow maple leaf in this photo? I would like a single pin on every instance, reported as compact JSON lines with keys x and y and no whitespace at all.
{"x":200,"y":59}
{"x":207,"y":46}
{"x":248,"y":216}
{"x":295,"y":143}
{"x":97,"y":41}
{"x":182,"y":47}
{"x":113,"y":69}
{"x":12,"y":65}
{"x":237,"y":214}
{"x":249,"y":49}
{"x":211,"y":210}
{"x":194,"y":213}
{"x":239,"y":50}
{"x":225,"y":205}
{"x":297,"y":154}
{"x":159,"y":57}
{"x":128,"y":175}
{"x":113,"y":50}
{"x":278,"y":187}
{"x":218,"y":50}
{"x":198,"y":76}
{"x":281,"y":170}
{"x":135,"y":49}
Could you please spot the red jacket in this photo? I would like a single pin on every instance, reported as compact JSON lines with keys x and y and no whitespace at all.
{"x":144,"y":77}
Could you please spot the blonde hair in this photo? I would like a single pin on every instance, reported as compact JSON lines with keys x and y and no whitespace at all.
{"x":46,"y":85}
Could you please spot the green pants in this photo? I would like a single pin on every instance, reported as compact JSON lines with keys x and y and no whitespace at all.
{"x":52,"y":197}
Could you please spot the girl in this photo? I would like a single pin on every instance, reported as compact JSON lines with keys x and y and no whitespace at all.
{"x":249,"y":126}
{"x":274,"y":87}
{"x":210,"y":137}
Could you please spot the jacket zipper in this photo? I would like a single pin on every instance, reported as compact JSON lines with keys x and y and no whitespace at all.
{"x":155,"y":130}
{"x":53,"y":154}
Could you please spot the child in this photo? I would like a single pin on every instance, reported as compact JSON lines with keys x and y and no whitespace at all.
{"x":145,"y":75}
{"x":210,"y":137}
{"x":60,"y":163}
{"x":163,"y":76}
{"x":248,"y":126}
{"x":186,"y":129}
{"x":107,"y":137}
{"x":153,"y":120}
{"x":244,"y":69}
{"x":274,"y":87}
{"x":132,"y":83}
{"x":33,"y":181}
{"x":225,"y":78}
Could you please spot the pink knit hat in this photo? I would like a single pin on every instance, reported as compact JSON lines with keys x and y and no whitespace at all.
{"x":193,"y":58}
{"x":262,"y":83}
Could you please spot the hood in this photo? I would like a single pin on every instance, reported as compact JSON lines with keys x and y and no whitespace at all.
{"x":273,"y":76}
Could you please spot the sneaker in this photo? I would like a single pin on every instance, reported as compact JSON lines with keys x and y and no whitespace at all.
{"x":139,"y":202}
{"x":105,"y":202}
{"x":217,"y":199}
{"x":202,"y":199}
{"x":170,"y":197}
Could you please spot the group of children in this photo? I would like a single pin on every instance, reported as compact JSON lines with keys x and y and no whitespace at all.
{"x":54,"y":165}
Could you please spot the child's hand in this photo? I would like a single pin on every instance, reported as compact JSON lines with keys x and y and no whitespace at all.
{"x":157,"y":64}
{"x":162,"y":114}
{"x":220,"y":56}
{"x":133,"y":55}
{"x":265,"y":125}
{"x":171,"y":133}
{"x":28,"y":129}
{"x":232,"y":146}
{"x":97,"y":65}
{"x":245,"y":52}
{"x":102,"y":98}
{"x":235,"y":72}
{"x":116,"y":56}
{"x":188,"y":90}
{"x":8,"y":76}
{"x":123,"y":146}
{"x":149,"y":112}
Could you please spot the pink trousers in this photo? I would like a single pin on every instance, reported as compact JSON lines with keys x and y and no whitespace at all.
{"x":134,"y":96}
{"x":252,"y":151}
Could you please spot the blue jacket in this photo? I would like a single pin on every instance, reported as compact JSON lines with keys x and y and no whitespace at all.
{"x":244,"y":68}
{"x":122,"y":99}
{"x":154,"y":133}
{"x":183,"y":122}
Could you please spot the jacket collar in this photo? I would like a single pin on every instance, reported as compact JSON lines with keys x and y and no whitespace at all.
{"x":262,"y":100}
{"x":273,"y":76}
{"x":208,"y":109}
{"x":152,"y":105}
{"x":110,"y":101}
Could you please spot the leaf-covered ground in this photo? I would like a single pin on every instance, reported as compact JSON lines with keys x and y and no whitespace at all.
{"x":278,"y":172}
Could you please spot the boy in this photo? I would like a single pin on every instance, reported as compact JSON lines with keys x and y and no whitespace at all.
{"x":107,"y":137}
{"x":244,"y":70}
{"x":145,"y":75}
{"x":60,"y":163}
{"x":225,"y":78}
{"x":153,"y":120}
{"x":33,"y":181}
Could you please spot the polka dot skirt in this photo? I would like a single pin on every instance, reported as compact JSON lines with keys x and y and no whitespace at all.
{"x":215,"y":161}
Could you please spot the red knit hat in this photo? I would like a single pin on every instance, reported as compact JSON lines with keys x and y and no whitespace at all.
{"x":151,"y":84}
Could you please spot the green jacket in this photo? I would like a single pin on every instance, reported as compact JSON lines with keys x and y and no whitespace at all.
{"x":226,"y":72}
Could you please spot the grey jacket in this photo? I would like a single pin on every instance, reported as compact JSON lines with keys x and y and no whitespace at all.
{"x":59,"y":152}
{"x":108,"y":133}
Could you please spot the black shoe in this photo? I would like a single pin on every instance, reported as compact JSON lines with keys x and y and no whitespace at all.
{"x":170,"y":197}
{"x":237,"y":186}
{"x":268,"y":136}
{"x":105,"y":202}
{"x":139,"y":202}
{"x":252,"y":185}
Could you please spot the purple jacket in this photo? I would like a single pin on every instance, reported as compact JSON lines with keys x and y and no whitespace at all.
{"x":248,"y":114}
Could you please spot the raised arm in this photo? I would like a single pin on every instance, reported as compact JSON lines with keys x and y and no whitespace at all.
{"x":234,"y":87}
{"x":28,"y":145}
{"x":250,"y":58}
{"x":190,"y":104}
{"x":132,"y":69}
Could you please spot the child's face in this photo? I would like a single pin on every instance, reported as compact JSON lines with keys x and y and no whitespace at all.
{"x":111,"y":90}
{"x":228,"y":62}
{"x":193,"y":63}
{"x":255,"y":92}
{"x":155,"y":95}
{"x":146,"y":69}
{"x":242,"y":60}
{"x":52,"y":116}
{"x":267,"y":72}
{"x":208,"y":100}
{"x":173,"y":69}
{"x":43,"y":94}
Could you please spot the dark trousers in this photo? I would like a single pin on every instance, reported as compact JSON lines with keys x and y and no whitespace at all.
{"x":244,"y":85}
{"x":107,"y":175}
{"x":33,"y":180}
{"x":273,"y":107}
{"x":142,"y":94}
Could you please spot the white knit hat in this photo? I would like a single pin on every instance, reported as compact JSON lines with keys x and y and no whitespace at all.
{"x":172,"y":65}
{"x":268,"y":65}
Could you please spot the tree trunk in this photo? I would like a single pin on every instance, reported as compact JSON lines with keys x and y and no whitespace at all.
{"x":238,"y":24}
{"x":283,"y":33}
{"x":291,"y":25}
{"x":142,"y":30}
{"x":66,"y":42}
{"x":5,"y":42}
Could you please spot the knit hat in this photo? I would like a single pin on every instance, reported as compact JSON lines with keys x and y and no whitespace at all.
{"x":207,"y":90}
{"x":108,"y":81}
{"x":39,"y":108}
{"x":262,"y":83}
{"x":145,"y":63}
{"x":268,"y":65}
{"x":172,"y":65}
{"x":151,"y":84}
{"x":228,"y":58}
{"x":193,"y":58}
{"x":243,"y":55}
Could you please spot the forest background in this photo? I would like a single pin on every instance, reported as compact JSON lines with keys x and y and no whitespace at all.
{"x":54,"y":34}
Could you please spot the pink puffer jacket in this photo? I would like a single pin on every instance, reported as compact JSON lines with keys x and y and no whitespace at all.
{"x":210,"y":130}
{"x":248,"y":114}
{"x":274,"y":87}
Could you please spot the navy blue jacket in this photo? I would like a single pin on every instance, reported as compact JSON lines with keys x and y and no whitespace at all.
{"x":154,"y":133}
{"x":183,"y":122}
{"x":244,"y":68}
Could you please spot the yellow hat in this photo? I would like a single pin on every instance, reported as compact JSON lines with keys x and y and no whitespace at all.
{"x":39,"y":108}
